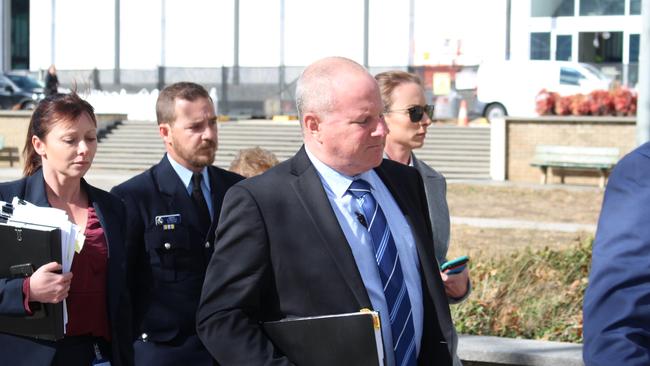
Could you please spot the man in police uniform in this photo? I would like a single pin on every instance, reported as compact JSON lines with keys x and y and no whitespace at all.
{"x":173,"y":209}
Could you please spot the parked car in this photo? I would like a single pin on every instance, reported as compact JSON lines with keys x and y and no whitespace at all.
{"x":510,"y":87}
{"x":19,"y":91}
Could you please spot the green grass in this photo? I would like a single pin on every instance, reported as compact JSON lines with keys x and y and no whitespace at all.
{"x":534,"y":294}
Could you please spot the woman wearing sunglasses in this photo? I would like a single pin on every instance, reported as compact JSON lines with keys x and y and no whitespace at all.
{"x":408,"y":116}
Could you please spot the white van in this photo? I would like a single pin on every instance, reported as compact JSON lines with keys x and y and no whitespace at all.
{"x":510,"y":87}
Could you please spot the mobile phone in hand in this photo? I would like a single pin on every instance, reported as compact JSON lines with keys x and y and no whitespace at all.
{"x":455,"y":266}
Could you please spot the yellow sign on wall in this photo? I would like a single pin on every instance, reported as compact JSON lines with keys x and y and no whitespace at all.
{"x":441,"y":83}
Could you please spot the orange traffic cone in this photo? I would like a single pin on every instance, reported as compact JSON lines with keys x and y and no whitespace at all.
{"x":462,"y":113}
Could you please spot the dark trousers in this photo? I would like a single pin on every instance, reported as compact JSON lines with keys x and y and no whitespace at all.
{"x":80,"y":351}
{"x":189,"y":351}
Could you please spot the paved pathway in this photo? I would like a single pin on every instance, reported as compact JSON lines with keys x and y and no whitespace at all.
{"x":522,"y":224}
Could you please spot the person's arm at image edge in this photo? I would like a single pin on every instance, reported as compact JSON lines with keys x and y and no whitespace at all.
{"x":617,"y":301}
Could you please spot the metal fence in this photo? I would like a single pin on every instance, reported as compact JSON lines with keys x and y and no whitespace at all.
{"x":248,"y":91}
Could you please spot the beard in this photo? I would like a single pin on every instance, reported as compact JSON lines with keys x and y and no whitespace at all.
{"x":200,"y":156}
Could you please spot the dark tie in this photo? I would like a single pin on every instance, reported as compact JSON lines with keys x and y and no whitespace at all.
{"x":390,"y":271}
{"x":199,"y":200}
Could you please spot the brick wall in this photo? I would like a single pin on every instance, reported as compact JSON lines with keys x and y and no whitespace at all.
{"x":523,"y":134}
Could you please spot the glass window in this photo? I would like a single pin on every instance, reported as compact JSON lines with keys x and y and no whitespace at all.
{"x":600,"y":47}
{"x":540,"y":46}
{"x":602,"y":7}
{"x":570,"y":76}
{"x":20,"y":34}
{"x":551,"y":8}
{"x":563,"y":48}
{"x":635,"y":7}
{"x":634,"y":48}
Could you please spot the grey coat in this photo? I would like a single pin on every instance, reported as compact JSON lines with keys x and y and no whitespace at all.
{"x":435,"y":187}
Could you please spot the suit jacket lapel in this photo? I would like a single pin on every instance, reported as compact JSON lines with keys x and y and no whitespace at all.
{"x":114,"y":243}
{"x":425,"y":249}
{"x":313,"y":198}
{"x":429,"y":181}
{"x":435,"y":190}
{"x":175,"y":193}
{"x":35,"y":190}
{"x":217,"y":192}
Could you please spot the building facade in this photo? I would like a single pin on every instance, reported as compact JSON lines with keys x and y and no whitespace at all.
{"x":605,"y":33}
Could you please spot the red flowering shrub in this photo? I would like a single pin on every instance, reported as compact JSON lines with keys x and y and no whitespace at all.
{"x":620,"y":102}
{"x":563,"y":106}
{"x":624,"y":102}
{"x":601,"y":103}
{"x":545,"y":102}
{"x":579,"y":105}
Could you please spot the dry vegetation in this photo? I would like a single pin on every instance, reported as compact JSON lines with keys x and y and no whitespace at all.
{"x":567,"y":204}
{"x":526,"y":283}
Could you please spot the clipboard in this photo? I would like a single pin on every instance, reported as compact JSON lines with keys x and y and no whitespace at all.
{"x":342,"y":339}
{"x":24,"y":247}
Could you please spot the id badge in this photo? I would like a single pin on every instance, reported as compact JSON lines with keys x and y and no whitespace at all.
{"x":99,"y":359}
{"x":168,"y":222}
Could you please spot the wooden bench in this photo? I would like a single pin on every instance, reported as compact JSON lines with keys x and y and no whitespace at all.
{"x":10,"y":154}
{"x":563,"y":158}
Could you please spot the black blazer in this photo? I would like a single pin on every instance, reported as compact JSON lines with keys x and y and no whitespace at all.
{"x":280,"y":252}
{"x":166,"y":266}
{"x":110,"y":211}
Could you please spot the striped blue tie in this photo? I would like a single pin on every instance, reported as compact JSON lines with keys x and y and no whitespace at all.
{"x":390,"y":271}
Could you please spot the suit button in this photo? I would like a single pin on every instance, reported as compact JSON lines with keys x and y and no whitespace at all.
{"x":207,"y":244}
{"x":168,"y":246}
{"x":144,"y":337}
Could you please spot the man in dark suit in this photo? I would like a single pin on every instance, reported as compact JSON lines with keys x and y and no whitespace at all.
{"x":300,"y":240}
{"x":616,"y":312}
{"x":172,"y":211}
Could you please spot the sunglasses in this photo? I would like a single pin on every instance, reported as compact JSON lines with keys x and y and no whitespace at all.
{"x":416,"y":113}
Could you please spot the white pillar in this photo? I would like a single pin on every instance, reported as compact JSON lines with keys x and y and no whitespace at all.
{"x":53,"y":34}
{"x":498,"y":149}
{"x":643,"y":101}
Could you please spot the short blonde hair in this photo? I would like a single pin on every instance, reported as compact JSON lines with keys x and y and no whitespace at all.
{"x":253,"y":161}
{"x":390,"y":80}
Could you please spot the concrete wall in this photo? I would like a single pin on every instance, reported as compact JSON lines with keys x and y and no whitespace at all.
{"x":523,"y":134}
{"x":497,"y":351}
{"x":14,"y":125}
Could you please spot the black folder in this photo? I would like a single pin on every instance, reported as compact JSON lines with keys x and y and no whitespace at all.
{"x":24,"y":248}
{"x":345,"y":339}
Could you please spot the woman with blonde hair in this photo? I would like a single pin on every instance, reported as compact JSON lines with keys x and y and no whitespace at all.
{"x":408,"y":116}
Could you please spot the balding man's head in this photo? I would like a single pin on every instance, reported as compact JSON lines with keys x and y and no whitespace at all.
{"x":315,"y":87}
{"x":341,"y":115}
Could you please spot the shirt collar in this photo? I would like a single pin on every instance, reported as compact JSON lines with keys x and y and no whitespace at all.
{"x":337,"y":182}
{"x":186,"y":174}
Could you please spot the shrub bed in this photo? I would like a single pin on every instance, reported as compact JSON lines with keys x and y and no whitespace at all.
{"x":533,"y":294}
{"x":617,"y":102}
